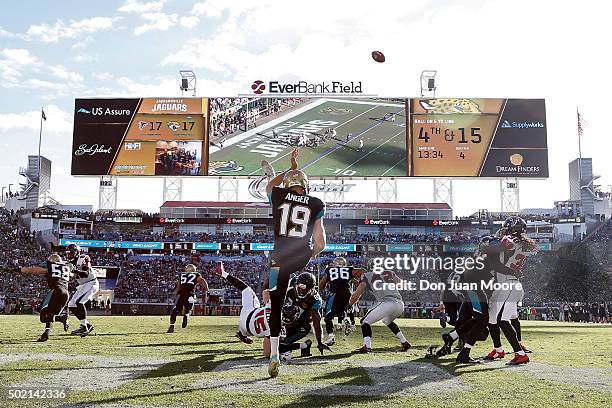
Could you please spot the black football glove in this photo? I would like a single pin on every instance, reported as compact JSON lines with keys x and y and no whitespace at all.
{"x":322,"y":346}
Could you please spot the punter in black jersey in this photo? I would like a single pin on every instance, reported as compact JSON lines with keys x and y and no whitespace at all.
{"x":298,"y":219}
{"x":338,"y":277}
{"x":185,"y":290}
{"x":302,"y":309}
{"x":53,"y":307}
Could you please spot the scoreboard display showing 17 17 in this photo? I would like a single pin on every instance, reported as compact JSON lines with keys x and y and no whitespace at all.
{"x":460,"y":137}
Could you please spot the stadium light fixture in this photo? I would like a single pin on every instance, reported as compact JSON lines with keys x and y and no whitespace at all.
{"x":428,"y":83}
{"x":188,"y":82}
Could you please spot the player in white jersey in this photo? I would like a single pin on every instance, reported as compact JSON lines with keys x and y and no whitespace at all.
{"x":253,"y":317}
{"x":87,"y":287}
{"x":509,"y":258}
{"x":388,"y":306}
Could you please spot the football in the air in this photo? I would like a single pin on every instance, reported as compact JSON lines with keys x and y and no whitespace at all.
{"x":378,"y":56}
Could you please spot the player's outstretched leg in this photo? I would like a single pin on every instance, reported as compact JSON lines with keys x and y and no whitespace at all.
{"x":516,"y":323}
{"x":278,"y":283}
{"x":519,"y":354}
{"x":400,"y":336}
{"x":366,"y":330}
{"x":173,"y":315}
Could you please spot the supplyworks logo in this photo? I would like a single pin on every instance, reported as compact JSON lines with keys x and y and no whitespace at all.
{"x":303,"y":87}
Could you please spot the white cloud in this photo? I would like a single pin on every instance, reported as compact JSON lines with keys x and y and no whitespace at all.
{"x":19,"y":56}
{"x":136,"y":6}
{"x":190,"y":21}
{"x":49,"y":33}
{"x":57,"y":121}
{"x":158,"y":21}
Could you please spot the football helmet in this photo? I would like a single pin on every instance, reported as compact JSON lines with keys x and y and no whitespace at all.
{"x":55,"y":258}
{"x":190,"y":268}
{"x":294,"y":178}
{"x":72,"y":252}
{"x":304,"y":284}
{"x":339,"y":261}
{"x":514,"y":226}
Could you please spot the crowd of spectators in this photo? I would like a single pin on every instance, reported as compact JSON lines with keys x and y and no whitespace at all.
{"x":154,"y":279}
{"x":229,"y":115}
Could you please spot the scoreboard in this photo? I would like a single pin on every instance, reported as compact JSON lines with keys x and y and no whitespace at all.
{"x":459,"y":137}
{"x":433,"y":137}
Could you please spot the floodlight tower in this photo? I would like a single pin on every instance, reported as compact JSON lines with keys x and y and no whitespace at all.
{"x":442,"y":187}
{"x":188,"y":82}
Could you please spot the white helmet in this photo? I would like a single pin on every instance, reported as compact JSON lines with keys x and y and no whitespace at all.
{"x":339,"y":261}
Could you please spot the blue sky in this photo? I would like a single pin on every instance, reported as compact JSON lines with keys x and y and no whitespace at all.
{"x":54,"y":51}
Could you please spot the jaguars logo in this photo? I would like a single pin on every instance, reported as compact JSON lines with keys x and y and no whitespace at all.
{"x":174,"y":126}
{"x":336,"y":111}
{"x":452,"y":105}
{"x":224,"y":167}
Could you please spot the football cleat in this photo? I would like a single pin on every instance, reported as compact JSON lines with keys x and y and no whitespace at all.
{"x":78,"y":331}
{"x":44,"y":336}
{"x":170,"y":329}
{"x":339,"y":327}
{"x":274,"y":366}
{"x":331,"y":339}
{"x":305,"y":352}
{"x":464,"y":357}
{"x":268,"y":170}
{"x":518,"y":359}
{"x":243,"y":338}
{"x":363,"y":350}
{"x":447,"y":348}
{"x":526,"y":349}
{"x":184,"y":324}
{"x":406,"y":345}
{"x":64,"y":320}
{"x":495,"y":355}
{"x":88,"y":329}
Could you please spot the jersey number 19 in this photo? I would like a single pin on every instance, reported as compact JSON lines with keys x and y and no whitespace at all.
{"x":299,"y":216}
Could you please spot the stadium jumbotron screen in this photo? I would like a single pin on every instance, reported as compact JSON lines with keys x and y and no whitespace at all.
{"x":344,"y":138}
{"x":140,"y":137}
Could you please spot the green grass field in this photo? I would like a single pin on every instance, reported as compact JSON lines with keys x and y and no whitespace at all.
{"x":131,"y":361}
{"x":384,"y":142}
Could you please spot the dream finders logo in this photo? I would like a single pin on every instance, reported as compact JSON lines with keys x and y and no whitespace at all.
{"x":303,"y":87}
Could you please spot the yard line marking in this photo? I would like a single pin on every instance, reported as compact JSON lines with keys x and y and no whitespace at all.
{"x":338,"y":126}
{"x":391,"y":168}
{"x":373,"y":150}
{"x":333,"y":149}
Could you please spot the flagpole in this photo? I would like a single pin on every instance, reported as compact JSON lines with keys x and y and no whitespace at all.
{"x":42,"y":114}
{"x":579,"y":158}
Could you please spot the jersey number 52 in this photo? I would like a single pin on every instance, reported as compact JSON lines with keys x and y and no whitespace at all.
{"x":298,"y":215}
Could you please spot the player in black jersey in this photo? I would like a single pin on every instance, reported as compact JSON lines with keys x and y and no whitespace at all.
{"x":472,"y":324}
{"x":53,"y":307}
{"x":338,"y":277}
{"x":298,"y":219}
{"x":185,"y":289}
{"x":302,"y":309}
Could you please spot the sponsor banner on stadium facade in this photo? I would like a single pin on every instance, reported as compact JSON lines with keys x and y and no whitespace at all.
{"x":328,"y":247}
{"x":262,"y":247}
{"x":207,"y":246}
{"x":112,"y":244}
{"x":399,"y":247}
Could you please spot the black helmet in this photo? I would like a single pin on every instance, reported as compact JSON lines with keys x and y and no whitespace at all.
{"x":304,"y":284}
{"x":514,"y":226}
{"x":290,"y":313}
{"x":72,"y":252}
